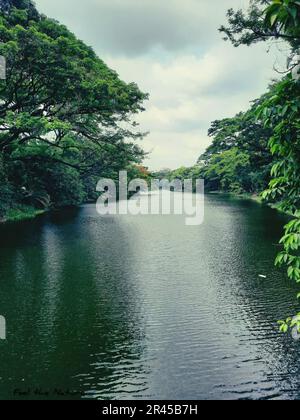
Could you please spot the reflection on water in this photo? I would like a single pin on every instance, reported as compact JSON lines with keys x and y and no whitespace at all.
{"x":145,"y":307}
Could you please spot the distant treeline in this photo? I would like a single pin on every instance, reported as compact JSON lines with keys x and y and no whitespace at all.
{"x":239,"y":159}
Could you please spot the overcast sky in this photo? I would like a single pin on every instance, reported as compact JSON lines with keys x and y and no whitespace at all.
{"x":173,"y":50}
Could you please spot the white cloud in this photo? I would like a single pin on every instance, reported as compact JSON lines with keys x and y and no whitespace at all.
{"x":173,"y":50}
{"x":188,"y":92}
{"x":135,"y":27}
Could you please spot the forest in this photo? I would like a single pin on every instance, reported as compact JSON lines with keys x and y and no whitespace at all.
{"x":66,"y":119}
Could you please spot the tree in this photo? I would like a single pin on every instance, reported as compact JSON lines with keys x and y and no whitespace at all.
{"x":248,"y":138}
{"x":265,"y":20}
{"x":228,"y":171}
{"x":56,"y":86}
{"x":60,"y":104}
{"x":6,"y":191}
{"x":281,"y":113}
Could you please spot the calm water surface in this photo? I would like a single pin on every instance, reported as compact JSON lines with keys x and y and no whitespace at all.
{"x":146,"y":308}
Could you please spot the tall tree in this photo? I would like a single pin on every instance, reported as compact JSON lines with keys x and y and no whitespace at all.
{"x":235,"y":139}
{"x":60,"y":103}
{"x":57,"y":86}
{"x":273,"y":20}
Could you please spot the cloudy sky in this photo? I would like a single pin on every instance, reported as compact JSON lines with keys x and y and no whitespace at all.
{"x":173,"y":50}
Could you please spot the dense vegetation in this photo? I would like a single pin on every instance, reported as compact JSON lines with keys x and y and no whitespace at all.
{"x":246,"y":147}
{"x":238,"y":159}
{"x":66,"y":119}
{"x":280,"y":112}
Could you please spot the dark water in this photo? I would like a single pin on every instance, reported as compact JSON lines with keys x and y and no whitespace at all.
{"x":145,"y":307}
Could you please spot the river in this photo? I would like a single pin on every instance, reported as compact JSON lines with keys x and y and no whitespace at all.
{"x":144,"y":307}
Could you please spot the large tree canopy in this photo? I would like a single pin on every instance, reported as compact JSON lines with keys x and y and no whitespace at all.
{"x":57,"y":88}
{"x":238,"y":159}
{"x":276,"y":19}
{"x":60,"y":103}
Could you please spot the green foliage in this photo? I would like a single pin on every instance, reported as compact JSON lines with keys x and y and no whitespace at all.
{"x":64,"y":186}
{"x":22,"y":212}
{"x":280,"y":113}
{"x":228,"y":171}
{"x":6,"y":191}
{"x":238,"y":159}
{"x":183,"y":173}
{"x":56,"y":86}
{"x":265,"y":20}
{"x":282,"y":16}
{"x":62,"y":113}
{"x":290,"y":323}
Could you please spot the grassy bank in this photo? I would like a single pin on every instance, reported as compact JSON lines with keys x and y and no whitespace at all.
{"x":21,"y":213}
{"x":258,"y":199}
{"x":246,"y":196}
{"x":254,"y":197}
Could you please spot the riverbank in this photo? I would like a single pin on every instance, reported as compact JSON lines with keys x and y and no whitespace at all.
{"x":254,"y":197}
{"x":247,"y":196}
{"x":21,"y":213}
